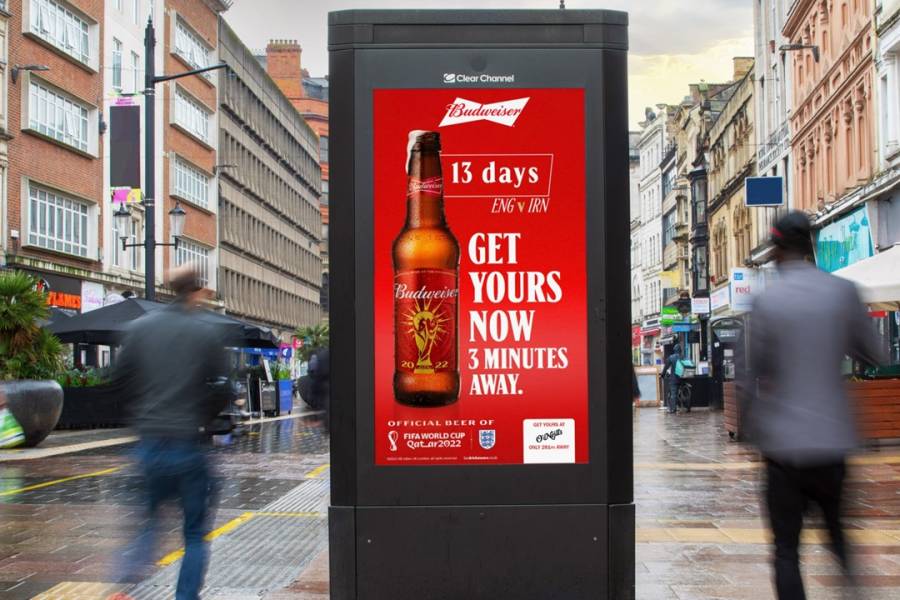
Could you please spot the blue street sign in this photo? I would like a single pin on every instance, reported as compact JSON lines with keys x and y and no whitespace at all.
{"x":764,"y":191}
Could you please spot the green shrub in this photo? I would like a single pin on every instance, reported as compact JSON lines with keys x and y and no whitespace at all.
{"x":26,"y":350}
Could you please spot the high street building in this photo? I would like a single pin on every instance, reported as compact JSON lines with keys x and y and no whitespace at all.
{"x":832,"y":117}
{"x":676,"y":223}
{"x":650,"y":234}
{"x":53,"y":196}
{"x":123,"y":81}
{"x":733,"y":227}
{"x":270,"y":269}
{"x":772,"y":106}
{"x":634,"y":177}
{"x":887,"y":23}
{"x":4,"y":125}
{"x":691,"y":122}
{"x":190,"y":38}
{"x":309,"y":95}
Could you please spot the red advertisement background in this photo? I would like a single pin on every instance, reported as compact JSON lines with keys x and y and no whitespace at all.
{"x":551,"y":123}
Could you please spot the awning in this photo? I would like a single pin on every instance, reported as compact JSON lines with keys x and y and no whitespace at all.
{"x":877,"y":278}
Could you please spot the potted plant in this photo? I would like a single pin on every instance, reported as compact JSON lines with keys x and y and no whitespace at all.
{"x":30,"y":357}
{"x":281,"y":373}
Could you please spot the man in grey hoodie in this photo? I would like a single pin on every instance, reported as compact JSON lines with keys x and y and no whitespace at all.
{"x":794,"y":396}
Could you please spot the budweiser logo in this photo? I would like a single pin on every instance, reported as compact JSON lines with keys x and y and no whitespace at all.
{"x":432,"y":185}
{"x":467,"y":111}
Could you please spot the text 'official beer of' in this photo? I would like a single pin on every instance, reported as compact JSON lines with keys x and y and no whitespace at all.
{"x":426,"y":285}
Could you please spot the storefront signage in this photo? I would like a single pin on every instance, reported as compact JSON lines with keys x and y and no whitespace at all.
{"x":743,"y":288}
{"x":845,"y":241}
{"x":636,"y":335}
{"x":700,"y":306}
{"x":763,"y":191}
{"x":669,"y":315}
{"x":92,"y":296}
{"x":720,"y":298}
{"x":480,"y":332}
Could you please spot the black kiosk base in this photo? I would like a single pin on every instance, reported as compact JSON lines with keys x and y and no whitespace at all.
{"x":523,"y":488}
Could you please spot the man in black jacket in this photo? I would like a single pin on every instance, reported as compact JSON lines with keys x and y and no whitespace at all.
{"x":168,"y":362}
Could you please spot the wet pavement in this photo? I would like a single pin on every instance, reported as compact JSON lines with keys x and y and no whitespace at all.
{"x":65,"y":518}
{"x":701,"y":532}
{"x":700,"y":527}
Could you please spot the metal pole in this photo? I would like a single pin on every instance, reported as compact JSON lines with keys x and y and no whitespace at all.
{"x":149,"y":162}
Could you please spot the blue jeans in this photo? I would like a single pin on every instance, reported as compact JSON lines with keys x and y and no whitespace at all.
{"x":173,"y":469}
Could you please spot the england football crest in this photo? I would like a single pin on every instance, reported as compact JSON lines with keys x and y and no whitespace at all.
{"x":487,"y":438}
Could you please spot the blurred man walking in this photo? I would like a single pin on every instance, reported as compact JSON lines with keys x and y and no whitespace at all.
{"x":802,"y":327}
{"x":171,"y":360}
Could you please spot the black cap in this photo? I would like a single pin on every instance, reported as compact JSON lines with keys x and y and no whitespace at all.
{"x":792,"y":232}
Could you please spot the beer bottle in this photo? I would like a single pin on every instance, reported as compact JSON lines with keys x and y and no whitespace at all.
{"x":426,"y":284}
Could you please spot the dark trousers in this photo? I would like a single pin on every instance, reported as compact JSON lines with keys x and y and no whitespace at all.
{"x":788,"y":492}
{"x":672,"y":392}
{"x":174,"y":469}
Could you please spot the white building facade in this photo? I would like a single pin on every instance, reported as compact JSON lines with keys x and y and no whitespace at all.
{"x":634,"y":203}
{"x":651,"y":147}
{"x":125,"y":22}
{"x":772,"y":110}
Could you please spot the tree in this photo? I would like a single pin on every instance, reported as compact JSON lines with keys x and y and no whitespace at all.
{"x":27,"y":351}
{"x":314,"y":338}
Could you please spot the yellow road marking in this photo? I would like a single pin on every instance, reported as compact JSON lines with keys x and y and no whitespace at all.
{"x":314,"y":474}
{"x":231,"y":525}
{"x":744,"y":535}
{"x":38,"y":486}
{"x":290,"y":514}
{"x":868,"y":459}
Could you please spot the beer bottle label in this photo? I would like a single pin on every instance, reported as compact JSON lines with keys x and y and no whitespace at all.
{"x":425,"y":320}
{"x":433,"y":186}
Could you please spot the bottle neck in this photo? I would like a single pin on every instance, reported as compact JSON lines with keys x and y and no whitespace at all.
{"x":425,"y":191}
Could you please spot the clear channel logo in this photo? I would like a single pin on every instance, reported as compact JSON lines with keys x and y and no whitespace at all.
{"x":479,"y":78}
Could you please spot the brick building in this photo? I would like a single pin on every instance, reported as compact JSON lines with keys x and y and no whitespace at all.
{"x":832,"y":121}
{"x":190,"y":38}
{"x":54,"y":182}
{"x":309,"y":95}
{"x":269,"y":188}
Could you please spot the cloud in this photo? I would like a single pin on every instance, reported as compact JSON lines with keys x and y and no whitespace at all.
{"x":672,"y":42}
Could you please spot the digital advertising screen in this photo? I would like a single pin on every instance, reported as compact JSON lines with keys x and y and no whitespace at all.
{"x":480,"y":283}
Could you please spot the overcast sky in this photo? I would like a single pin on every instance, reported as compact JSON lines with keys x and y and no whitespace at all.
{"x":673,"y":42}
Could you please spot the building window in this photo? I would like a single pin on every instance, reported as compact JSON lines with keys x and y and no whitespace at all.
{"x":190,"y":115}
{"x":117,"y":65}
{"x":136,"y":11}
{"x":190,"y":48}
{"x":323,"y":149}
{"x":194,"y":254}
{"x":56,"y":24}
{"x":57,"y":116}
{"x":57,"y":222}
{"x":191,"y":184}
{"x":118,"y":4}
{"x":136,"y":73}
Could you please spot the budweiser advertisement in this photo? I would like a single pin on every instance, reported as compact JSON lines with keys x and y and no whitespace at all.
{"x":480,"y":280}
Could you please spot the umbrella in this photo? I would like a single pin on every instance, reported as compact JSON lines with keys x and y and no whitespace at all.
{"x":106,"y":326}
{"x":877,"y":278}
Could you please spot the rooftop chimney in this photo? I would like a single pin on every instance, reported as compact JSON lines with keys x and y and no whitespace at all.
{"x":283,"y":66}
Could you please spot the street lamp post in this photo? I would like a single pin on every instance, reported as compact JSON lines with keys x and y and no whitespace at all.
{"x":150,"y":81}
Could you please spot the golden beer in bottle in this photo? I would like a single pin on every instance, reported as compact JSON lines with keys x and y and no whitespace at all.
{"x":426,"y":285}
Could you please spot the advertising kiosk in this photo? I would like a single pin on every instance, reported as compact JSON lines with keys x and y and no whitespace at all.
{"x":481,"y":380}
